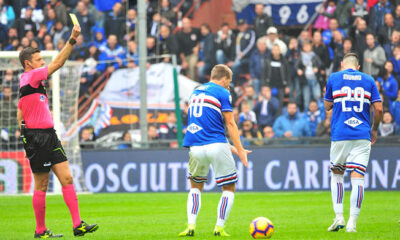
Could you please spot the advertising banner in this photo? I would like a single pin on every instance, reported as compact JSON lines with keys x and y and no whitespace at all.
{"x":270,"y":169}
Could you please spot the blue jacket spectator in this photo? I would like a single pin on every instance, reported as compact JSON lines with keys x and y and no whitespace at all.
{"x":105,"y":6}
{"x":327,"y":35}
{"x":291,"y":124}
{"x":395,"y":110}
{"x":111,"y":51}
{"x":313,"y":117}
{"x":99,"y":37}
{"x":377,"y":15}
{"x":389,"y":83}
{"x":266,"y":109}
{"x":396,"y":61}
{"x":7,"y":16}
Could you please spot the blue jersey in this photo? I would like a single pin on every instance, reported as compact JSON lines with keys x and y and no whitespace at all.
{"x":205,"y":120}
{"x":352,"y":93}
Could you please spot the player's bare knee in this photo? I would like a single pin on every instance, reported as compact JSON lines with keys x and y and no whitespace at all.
{"x":41,"y":184}
{"x":229,"y":187}
{"x":67,"y":180}
{"x":337,"y":171}
{"x":197,"y":185}
{"x":355,"y":174}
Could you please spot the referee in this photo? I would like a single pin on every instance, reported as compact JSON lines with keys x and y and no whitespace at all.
{"x":41,"y":143}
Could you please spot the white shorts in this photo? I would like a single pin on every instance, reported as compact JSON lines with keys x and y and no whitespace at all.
{"x":220,"y":157}
{"x":350,"y":155}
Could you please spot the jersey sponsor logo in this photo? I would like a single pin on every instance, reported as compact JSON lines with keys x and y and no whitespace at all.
{"x":352,"y":77}
{"x":353,"y":122}
{"x":194,"y":128}
{"x":42,"y":98}
{"x":48,"y":164}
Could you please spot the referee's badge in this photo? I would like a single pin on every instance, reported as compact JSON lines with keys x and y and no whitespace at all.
{"x":42,"y":98}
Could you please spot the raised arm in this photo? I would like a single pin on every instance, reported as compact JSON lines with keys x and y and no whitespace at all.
{"x":234,"y":136}
{"x":63,"y":55}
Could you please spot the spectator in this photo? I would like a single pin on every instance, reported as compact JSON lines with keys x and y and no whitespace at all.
{"x":167,"y":43}
{"x":8,"y":108}
{"x":25,"y":24}
{"x":111,"y":52}
{"x":389,"y":84}
{"x":313,"y":117}
{"x":59,"y":8}
{"x":25,"y":42}
{"x":272,"y":39}
{"x":206,"y":53}
{"x":154,"y":25}
{"x":374,"y":57}
{"x":132,"y":56}
{"x":360,"y":9}
{"x":152,"y":133}
{"x":385,"y":32}
{"x":130,"y":22}
{"x":99,"y":37}
{"x":105,"y":6}
{"x":37,"y":12}
{"x":358,"y":34}
{"x":267,"y":108}
{"x":114,"y":22}
{"x":50,"y":20}
{"x":225,"y":45}
{"x":168,"y":13}
{"x":292,"y":55}
{"x":244,"y":43}
{"x":324,"y":128}
{"x":188,"y":41}
{"x":387,"y":126}
{"x":321,"y":50}
{"x":79,"y":48}
{"x":395,"y":110}
{"x":93,"y":11}
{"x":250,"y":135}
{"x":304,"y":37}
{"x":89,"y":73}
{"x":127,"y":141}
{"x":7,"y":15}
{"x":268,"y":132}
{"x":377,"y":15}
{"x":248,"y":96}
{"x":397,"y":15}
{"x":389,"y":47}
{"x":86,"y":21}
{"x":247,"y":113}
{"x":60,"y":31}
{"x":339,"y":54}
{"x":49,"y":46}
{"x":275,"y":74}
{"x":327,"y":35}
{"x":262,"y":21}
{"x":14,"y":43}
{"x":291,"y":124}
{"x":256,"y":64}
{"x":396,"y":62}
{"x":307,"y":67}
{"x":322,"y":21}
{"x":342,"y":13}
{"x":87,"y":136}
{"x":169,"y":130}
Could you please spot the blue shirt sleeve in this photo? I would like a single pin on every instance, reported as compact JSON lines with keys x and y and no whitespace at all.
{"x":226,"y":101}
{"x":328,"y":93}
{"x":375,"y":93}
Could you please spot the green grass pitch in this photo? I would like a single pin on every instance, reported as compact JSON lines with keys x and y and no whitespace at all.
{"x":296,"y":215}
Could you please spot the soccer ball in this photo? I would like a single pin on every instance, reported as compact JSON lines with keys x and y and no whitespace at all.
{"x":261,"y":228}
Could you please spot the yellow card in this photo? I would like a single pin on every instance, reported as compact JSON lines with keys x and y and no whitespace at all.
{"x":74,"y":19}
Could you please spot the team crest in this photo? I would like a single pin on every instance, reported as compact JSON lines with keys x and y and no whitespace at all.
{"x":42,"y":98}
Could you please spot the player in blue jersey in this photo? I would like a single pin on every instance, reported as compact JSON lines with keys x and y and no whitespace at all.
{"x":350,"y":95}
{"x":210,"y":105}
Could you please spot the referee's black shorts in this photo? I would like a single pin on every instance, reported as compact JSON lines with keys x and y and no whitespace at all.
{"x":43,"y":149}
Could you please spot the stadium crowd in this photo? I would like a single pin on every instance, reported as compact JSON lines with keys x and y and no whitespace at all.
{"x":278,"y":79}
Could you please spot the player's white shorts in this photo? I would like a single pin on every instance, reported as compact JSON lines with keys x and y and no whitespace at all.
{"x":220,"y":157}
{"x":350,"y":155}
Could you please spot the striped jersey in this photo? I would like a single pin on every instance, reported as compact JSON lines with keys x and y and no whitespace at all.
{"x":352,"y":93}
{"x":205,"y":120}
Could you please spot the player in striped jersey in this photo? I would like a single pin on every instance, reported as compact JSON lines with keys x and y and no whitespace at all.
{"x":210,"y":106}
{"x":350,"y":94}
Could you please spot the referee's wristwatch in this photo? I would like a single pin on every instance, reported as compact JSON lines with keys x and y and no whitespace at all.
{"x":72,"y":41}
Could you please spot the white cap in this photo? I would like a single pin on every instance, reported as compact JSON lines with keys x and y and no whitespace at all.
{"x":272,"y":30}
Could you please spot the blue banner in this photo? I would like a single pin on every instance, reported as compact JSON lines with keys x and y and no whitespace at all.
{"x":283,"y":12}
